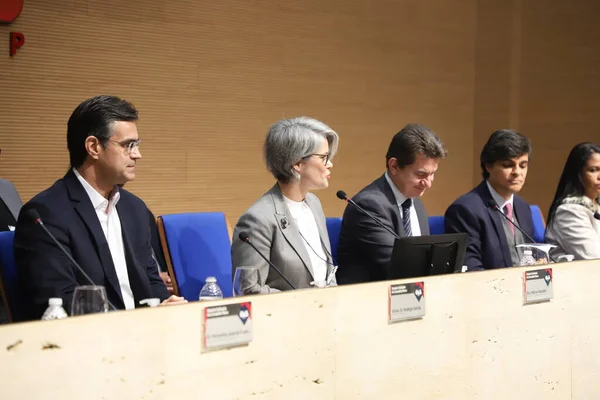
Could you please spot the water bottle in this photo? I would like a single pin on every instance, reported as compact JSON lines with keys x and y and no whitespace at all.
{"x":210,"y":290}
{"x":527,"y":258}
{"x":54,"y":310}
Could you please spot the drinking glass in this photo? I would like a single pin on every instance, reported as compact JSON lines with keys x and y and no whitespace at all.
{"x":540,"y":251}
{"x":89,"y":300}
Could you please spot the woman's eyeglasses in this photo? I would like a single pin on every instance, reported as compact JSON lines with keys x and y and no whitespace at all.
{"x":324,"y":157}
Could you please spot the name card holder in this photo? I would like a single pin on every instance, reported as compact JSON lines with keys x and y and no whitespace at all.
{"x":537,"y":285}
{"x":227,"y":325}
{"x":406,"y":301}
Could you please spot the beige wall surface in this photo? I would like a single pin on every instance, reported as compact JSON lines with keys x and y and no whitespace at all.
{"x":537,"y":70}
{"x":476,"y":341}
{"x":560,"y":87}
{"x":210,"y":78}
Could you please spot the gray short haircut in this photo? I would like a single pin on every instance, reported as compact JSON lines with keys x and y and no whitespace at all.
{"x":289,"y":141}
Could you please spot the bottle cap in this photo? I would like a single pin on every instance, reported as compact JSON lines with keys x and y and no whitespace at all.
{"x":55,"y":301}
{"x":211,"y":279}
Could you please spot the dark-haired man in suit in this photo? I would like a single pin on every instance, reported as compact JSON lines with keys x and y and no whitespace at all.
{"x":365,"y":248}
{"x":492,"y":239}
{"x":103,"y":226}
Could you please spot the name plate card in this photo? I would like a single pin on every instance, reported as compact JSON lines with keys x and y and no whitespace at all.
{"x":537,"y":285}
{"x":227,"y":325}
{"x":406,"y":301}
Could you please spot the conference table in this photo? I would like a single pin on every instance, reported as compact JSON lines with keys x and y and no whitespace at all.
{"x":477,"y":339}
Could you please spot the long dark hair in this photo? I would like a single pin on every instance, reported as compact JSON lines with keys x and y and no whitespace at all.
{"x":570,"y":183}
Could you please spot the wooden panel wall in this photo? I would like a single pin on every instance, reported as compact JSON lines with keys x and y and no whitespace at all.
{"x":209,"y":78}
{"x":497,"y":33}
{"x":538,"y":71}
{"x":560,"y":87}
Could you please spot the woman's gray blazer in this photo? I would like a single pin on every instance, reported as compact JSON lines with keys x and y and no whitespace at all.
{"x":272,"y":230}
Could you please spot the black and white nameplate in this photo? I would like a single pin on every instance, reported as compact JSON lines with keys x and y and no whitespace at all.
{"x":406,"y":301}
{"x":537,"y":285}
{"x":227,"y":325}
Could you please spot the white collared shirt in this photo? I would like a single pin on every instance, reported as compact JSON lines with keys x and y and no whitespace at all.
{"x":400,"y":198}
{"x":307,"y":226}
{"x":111,"y":226}
{"x":501,"y":201}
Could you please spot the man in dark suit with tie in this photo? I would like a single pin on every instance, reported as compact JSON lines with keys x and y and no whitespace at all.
{"x":492,"y":239}
{"x":104,"y":227}
{"x":365,"y":248}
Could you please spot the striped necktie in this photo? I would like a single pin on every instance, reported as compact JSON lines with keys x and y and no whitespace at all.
{"x":406,"y":216}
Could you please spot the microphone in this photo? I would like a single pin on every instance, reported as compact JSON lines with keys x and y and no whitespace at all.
{"x":492,"y":204}
{"x":342,"y":196}
{"x":245,"y":238}
{"x":35,"y":216}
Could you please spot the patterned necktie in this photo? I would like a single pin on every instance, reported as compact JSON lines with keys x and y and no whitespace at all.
{"x":508,"y":211}
{"x":406,"y":216}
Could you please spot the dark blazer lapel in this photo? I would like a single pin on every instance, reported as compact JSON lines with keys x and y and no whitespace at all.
{"x":289,"y":229}
{"x":138,"y":279}
{"x":83,"y":206}
{"x":485,"y":195}
{"x":384,"y":186}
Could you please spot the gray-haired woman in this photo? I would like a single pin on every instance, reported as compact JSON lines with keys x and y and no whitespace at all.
{"x":287,"y":224}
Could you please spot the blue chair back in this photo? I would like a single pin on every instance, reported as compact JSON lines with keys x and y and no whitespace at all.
{"x":436,"y":225}
{"x":539,"y":224}
{"x":8,"y":273}
{"x":197,"y":245}
{"x":334,"y":226}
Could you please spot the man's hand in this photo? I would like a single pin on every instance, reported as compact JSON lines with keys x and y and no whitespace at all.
{"x":173,"y":300}
{"x":167,"y":281}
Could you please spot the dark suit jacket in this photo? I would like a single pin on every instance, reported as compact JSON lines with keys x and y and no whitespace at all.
{"x":10,"y":204}
{"x":67,"y":211}
{"x":6,"y":218}
{"x":365,"y":248}
{"x":487,"y":247}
